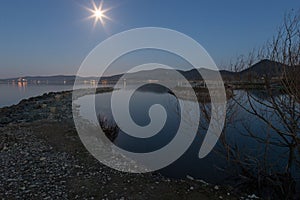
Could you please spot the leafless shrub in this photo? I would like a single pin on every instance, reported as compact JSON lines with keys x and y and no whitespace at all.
{"x":279,"y":112}
{"x":110,"y":129}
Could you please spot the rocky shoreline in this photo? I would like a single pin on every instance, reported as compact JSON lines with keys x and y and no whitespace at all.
{"x":42,"y":157}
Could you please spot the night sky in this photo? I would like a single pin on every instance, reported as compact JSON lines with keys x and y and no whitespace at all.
{"x":49,"y":37}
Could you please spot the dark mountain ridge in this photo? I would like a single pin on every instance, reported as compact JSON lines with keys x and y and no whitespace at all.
{"x":261,"y":69}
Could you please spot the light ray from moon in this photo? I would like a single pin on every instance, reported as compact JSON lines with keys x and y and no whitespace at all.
{"x":98,"y":13}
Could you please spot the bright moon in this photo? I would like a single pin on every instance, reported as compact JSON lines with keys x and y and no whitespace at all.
{"x":98,"y":13}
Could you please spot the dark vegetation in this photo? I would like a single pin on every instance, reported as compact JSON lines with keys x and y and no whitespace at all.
{"x":279,"y":113}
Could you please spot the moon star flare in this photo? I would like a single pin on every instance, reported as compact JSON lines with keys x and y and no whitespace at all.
{"x":98,"y":13}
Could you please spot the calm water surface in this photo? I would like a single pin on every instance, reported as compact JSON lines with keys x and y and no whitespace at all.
{"x":11,"y":94}
{"x":207,"y":169}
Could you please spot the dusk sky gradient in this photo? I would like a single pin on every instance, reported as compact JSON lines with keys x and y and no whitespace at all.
{"x":50,"y":37}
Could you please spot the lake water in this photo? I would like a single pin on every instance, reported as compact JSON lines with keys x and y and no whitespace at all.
{"x":11,"y":94}
{"x":207,"y":168}
{"x":189,"y":164}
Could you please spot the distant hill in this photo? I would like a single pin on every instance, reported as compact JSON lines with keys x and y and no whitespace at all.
{"x":265,"y":68}
{"x":261,"y":69}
